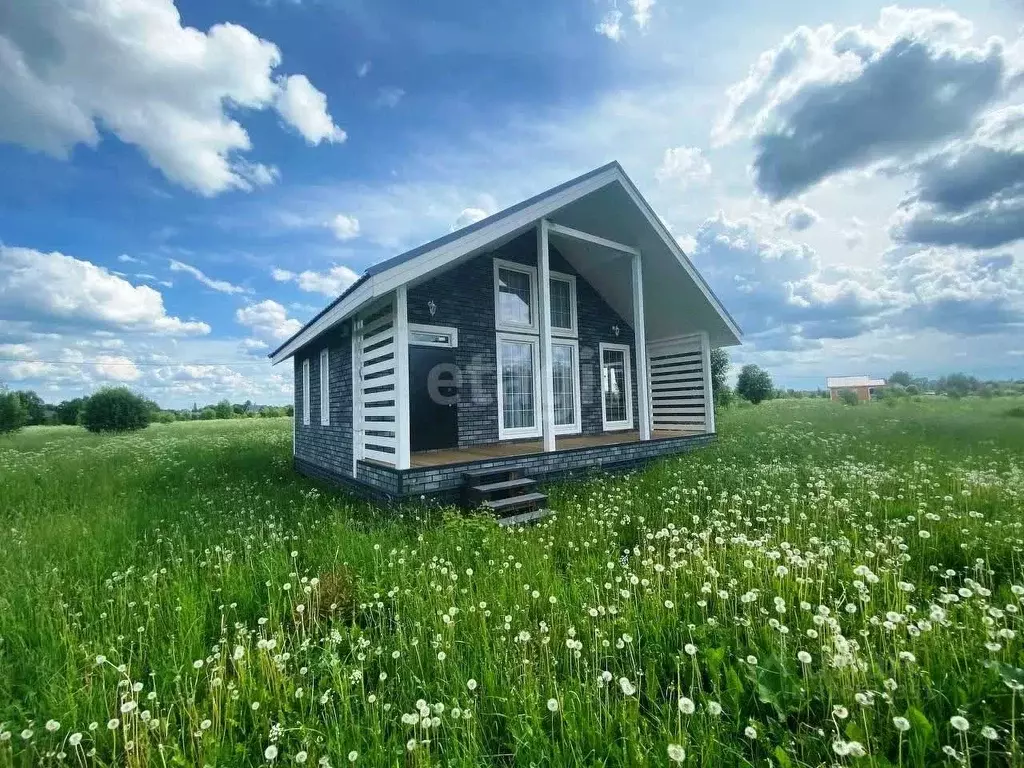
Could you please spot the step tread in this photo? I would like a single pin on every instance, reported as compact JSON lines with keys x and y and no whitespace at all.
{"x":497,"y":505}
{"x":475,"y":476}
{"x":525,"y":517}
{"x":504,"y":485}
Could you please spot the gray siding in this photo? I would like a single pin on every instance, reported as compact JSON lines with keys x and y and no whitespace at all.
{"x":326,"y":447}
{"x":464,"y":299}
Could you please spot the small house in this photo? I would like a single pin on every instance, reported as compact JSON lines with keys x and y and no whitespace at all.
{"x":863,"y":387}
{"x":565,"y":334}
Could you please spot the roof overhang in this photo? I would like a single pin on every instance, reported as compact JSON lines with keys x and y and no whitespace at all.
{"x":604,"y":203}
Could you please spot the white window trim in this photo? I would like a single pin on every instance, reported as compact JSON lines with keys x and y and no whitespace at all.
{"x":518,"y":432}
{"x":305,"y":392}
{"x":452,"y":333}
{"x":574,"y":330}
{"x":526,"y":269}
{"x":576,"y":427}
{"x":325,"y":387}
{"x":610,"y":426}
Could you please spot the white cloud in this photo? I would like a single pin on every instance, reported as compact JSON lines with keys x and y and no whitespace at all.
{"x":641,"y":11}
{"x":364,"y":69}
{"x":116,"y":368}
{"x":330,"y":283}
{"x":683,"y":166}
{"x":611,"y":25}
{"x":221,"y":286}
{"x":126,"y":259}
{"x":19,"y":351}
{"x":800,"y":217}
{"x":268,"y":321}
{"x":344,"y":227}
{"x":53,"y":290}
{"x":170,"y":90}
{"x":469,"y":216}
{"x":305,"y":108}
{"x":389,"y":97}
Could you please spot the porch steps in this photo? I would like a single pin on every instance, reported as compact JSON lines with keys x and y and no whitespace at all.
{"x":511,"y":498}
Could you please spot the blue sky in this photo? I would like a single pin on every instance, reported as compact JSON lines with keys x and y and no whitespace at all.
{"x":187,"y":182}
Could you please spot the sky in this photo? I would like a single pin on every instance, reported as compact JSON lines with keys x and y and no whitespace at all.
{"x":186,"y":183}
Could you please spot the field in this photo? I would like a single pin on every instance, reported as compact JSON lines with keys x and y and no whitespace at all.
{"x":827,"y":585}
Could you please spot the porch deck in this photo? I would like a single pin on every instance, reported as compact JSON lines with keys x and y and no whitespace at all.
{"x":506,"y":449}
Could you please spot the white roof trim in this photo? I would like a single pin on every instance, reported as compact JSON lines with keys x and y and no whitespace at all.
{"x":385,"y":282}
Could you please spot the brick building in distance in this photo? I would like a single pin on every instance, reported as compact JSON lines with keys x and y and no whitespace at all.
{"x":863,"y":386}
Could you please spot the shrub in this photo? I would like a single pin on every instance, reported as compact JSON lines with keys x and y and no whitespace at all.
{"x":849,"y":397}
{"x":1017,"y":412}
{"x":754,"y":384}
{"x":12,"y":413}
{"x":115,"y":409}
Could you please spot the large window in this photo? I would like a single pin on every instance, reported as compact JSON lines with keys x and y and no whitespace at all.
{"x":305,"y":392}
{"x":517,"y":386}
{"x":563,"y":304}
{"x":565,"y":386}
{"x":325,"y":387}
{"x":515,"y":291}
{"x":616,"y":387}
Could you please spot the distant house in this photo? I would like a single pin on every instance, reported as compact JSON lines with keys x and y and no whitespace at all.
{"x":567,"y":333}
{"x":863,"y":386}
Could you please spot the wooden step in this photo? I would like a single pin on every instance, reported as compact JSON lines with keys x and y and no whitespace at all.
{"x":504,"y":486}
{"x":511,"y":503}
{"x":489,"y":476}
{"x":523,"y":518}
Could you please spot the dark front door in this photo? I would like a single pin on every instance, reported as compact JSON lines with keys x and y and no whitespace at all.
{"x":433,"y":399}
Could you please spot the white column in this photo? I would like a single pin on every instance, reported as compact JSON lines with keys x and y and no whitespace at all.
{"x":640,"y":342}
{"x":709,"y":392}
{"x":547,"y":395}
{"x":402,"y":378}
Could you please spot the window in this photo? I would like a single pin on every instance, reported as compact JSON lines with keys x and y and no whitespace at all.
{"x":565,"y":385}
{"x":616,"y":387}
{"x":563,"y":304}
{"x":514,"y":292}
{"x":325,"y":388}
{"x":305,"y":392}
{"x":433,"y":336}
{"x":517,"y":387}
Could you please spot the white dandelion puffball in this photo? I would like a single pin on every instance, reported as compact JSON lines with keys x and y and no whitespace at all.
{"x":750,"y":732}
{"x":627,"y":687}
{"x":686,"y":706}
{"x":552,"y":705}
{"x":471,"y":684}
{"x":676,"y":753}
{"x":52,"y":725}
{"x":75,"y":739}
{"x":353,"y":756}
{"x":301,"y":757}
{"x":990,"y":733}
{"x":960,"y":723}
{"x":714,"y":708}
{"x":804,"y":657}
{"x":270,"y":752}
{"x":901,"y":723}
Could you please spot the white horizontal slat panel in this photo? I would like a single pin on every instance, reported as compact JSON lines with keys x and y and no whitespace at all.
{"x":384,"y":366}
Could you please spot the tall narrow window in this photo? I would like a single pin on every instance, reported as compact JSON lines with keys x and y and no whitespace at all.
{"x":305,"y":392}
{"x":565,"y":387}
{"x":616,"y":387}
{"x":563,"y":305}
{"x":325,"y":387}
{"x":517,"y":387}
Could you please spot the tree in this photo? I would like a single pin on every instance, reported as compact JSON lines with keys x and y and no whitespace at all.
{"x":115,"y":409}
{"x":70,"y":411}
{"x":754,"y":384}
{"x":719,"y":370}
{"x":35,"y":408}
{"x":12,"y":413}
{"x":849,"y":397}
{"x":902,"y":378}
{"x":223,"y":410}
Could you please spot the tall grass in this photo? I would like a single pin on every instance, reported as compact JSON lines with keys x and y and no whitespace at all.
{"x":827,"y":585}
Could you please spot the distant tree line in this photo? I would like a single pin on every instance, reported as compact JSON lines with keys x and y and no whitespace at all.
{"x":122,"y":410}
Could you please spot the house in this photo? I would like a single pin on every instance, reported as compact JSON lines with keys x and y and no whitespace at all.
{"x":862,"y":386}
{"x":564,"y":334}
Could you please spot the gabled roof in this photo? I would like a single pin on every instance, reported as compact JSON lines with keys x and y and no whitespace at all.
{"x":834,"y":382}
{"x":419,"y":263}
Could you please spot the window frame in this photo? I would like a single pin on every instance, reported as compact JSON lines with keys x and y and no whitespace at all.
{"x":612,"y":426}
{"x":512,"y":433}
{"x":305,"y":392}
{"x":577,"y":425}
{"x":325,"y":387}
{"x":439,"y":330}
{"x":573,"y":331}
{"x":531,"y":272}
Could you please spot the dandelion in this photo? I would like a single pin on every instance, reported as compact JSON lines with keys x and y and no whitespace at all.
{"x":838,"y":710}
{"x":75,"y":739}
{"x":959,"y":723}
{"x":714,"y":708}
{"x":197,"y":664}
{"x":471,"y":684}
{"x":686,"y":706}
{"x":270,"y":752}
{"x":627,"y":687}
{"x":353,"y":756}
{"x":989,"y":733}
{"x":301,"y":757}
{"x":901,"y":723}
{"x":552,"y":705}
{"x":113,"y":724}
{"x":750,"y":732}
{"x":676,"y":753}
{"x":205,"y":725}
{"x":752,"y":660}
{"x":26,"y":734}
{"x":52,"y":726}
{"x":691,"y":649}
{"x":804,"y":657}
{"x":410,"y":745}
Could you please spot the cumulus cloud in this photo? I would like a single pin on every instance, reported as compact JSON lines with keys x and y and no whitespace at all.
{"x":611,"y":25}
{"x":828,"y":100}
{"x":683,"y":166}
{"x":52,"y":290}
{"x":800,"y":217}
{"x":330,"y":283}
{"x":971,"y":192}
{"x":221,"y":286}
{"x":344,"y":227}
{"x":641,"y":11}
{"x":268,"y":321}
{"x":116,"y":368}
{"x":70,"y":69}
{"x":469,"y":216}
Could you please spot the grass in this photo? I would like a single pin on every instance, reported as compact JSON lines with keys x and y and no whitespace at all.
{"x":827,"y":585}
